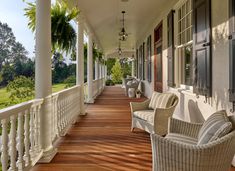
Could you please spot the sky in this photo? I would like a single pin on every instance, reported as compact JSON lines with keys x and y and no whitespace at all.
{"x":12,"y":13}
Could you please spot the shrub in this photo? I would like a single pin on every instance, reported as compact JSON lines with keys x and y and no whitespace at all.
{"x":109,"y":83}
{"x":117,"y":72}
{"x":70,"y":81}
{"x":21,"y":89}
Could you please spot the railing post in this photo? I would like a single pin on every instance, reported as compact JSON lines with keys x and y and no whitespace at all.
{"x":80,"y":61}
{"x":43,"y":75}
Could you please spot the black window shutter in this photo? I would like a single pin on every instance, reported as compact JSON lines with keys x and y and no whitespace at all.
{"x":170,"y":44}
{"x":137,"y":64}
{"x":140,"y":63}
{"x":202,"y":47}
{"x":143,"y":60}
{"x":149,"y":53}
{"x":232,"y":51}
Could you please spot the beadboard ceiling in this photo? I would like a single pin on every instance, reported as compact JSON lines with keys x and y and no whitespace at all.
{"x":104,"y":16}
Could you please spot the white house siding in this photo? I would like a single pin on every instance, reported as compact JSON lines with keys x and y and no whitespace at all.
{"x":190,"y":107}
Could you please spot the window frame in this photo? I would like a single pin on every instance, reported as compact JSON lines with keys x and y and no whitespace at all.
{"x":180,"y":73}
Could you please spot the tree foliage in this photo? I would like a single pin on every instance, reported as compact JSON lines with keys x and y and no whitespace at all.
{"x":21,"y":89}
{"x":61,"y":70}
{"x":126,"y":67}
{"x":110,"y":63}
{"x":13,"y":57}
{"x":63,"y":35}
{"x":117,"y":72}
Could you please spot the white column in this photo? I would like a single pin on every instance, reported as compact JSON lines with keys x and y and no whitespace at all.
{"x":133,"y":68}
{"x":96,"y":70}
{"x":80,"y":62}
{"x":90,"y":69}
{"x":100,"y":68}
{"x":43,"y":75}
{"x":105,"y":72}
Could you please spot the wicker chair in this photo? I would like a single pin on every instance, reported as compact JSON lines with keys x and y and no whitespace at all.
{"x":170,"y":155}
{"x":134,"y":85}
{"x":153,"y":120}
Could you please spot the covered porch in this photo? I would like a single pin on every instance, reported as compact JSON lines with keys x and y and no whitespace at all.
{"x":87,"y":127}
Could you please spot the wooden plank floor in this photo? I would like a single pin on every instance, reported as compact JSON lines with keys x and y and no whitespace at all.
{"x":102,"y":140}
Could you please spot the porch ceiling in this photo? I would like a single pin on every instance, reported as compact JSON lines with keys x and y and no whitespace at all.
{"x":104,"y":16}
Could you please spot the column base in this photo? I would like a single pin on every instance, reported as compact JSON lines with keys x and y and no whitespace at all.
{"x":48,"y":155}
{"x":83,"y":114}
{"x":90,"y":101}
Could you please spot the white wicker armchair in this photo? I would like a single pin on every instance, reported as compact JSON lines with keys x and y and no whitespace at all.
{"x":153,"y":120}
{"x":170,"y":155}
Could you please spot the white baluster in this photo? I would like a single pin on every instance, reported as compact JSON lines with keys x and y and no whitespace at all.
{"x":56,"y":117}
{"x":26,"y":138}
{"x":37,"y":131}
{"x":59,"y":116}
{"x":53,"y":119}
{"x":4,"y":147}
{"x":38,"y":128}
{"x":13,"y":143}
{"x":31,"y":131}
{"x":63,"y":113}
{"x":20,"y":143}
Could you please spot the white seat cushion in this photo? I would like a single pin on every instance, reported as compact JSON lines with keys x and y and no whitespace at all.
{"x":146,"y":115}
{"x":216,"y":126}
{"x":161,"y":100}
{"x":181,"y":138}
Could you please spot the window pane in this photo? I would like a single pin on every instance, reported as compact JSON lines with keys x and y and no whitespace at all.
{"x":179,"y":14}
{"x":183,"y":24}
{"x":188,"y":58}
{"x":187,"y":7}
{"x":183,"y":10}
{"x":179,"y":39}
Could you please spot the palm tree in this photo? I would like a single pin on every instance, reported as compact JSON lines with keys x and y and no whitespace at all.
{"x":63,"y":35}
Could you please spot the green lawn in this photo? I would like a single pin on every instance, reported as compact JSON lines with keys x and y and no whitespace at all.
{"x":4,"y":95}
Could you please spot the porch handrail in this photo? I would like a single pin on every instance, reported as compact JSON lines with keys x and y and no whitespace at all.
{"x":97,"y":85}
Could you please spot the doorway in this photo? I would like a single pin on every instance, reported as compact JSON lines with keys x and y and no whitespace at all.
{"x":158,"y":81}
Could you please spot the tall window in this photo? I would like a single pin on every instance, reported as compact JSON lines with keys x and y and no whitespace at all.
{"x":184,"y":42}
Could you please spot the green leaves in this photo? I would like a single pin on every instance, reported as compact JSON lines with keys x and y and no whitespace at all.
{"x":21,"y":89}
{"x":63,"y":35}
{"x":117,"y":72}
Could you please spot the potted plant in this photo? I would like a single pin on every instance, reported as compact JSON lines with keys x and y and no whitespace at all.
{"x":138,"y":93}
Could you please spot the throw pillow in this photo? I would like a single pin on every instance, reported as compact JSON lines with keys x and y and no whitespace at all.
{"x":216,"y":126}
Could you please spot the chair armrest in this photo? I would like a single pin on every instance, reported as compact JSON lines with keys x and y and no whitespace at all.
{"x":136,"y":106}
{"x":214,"y":156}
{"x":185,"y":128}
{"x":161,"y":116}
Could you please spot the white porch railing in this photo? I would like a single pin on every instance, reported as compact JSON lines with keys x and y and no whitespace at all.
{"x":20,"y":141}
{"x":65,"y":109}
{"x":98,"y":86}
{"x":20,"y":125}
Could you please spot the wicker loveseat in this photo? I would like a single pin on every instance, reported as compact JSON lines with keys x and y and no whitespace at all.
{"x":152,"y":115}
{"x":184,"y":150}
